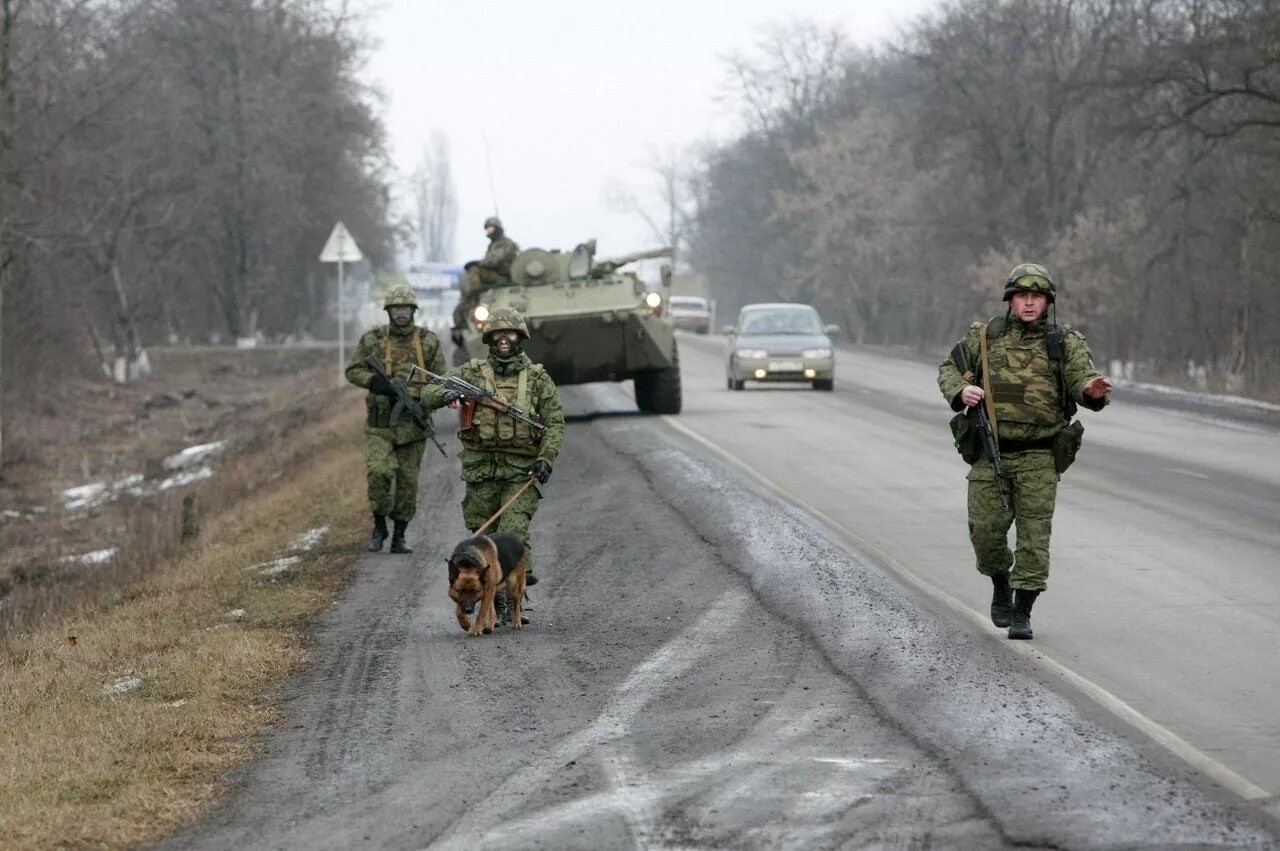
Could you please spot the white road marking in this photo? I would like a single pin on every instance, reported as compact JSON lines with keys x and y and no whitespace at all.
{"x":636,"y":802}
{"x":1192,"y":474}
{"x":1163,"y":736}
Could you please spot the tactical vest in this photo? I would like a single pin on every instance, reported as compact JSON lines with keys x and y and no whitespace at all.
{"x":397,"y":355}
{"x":1025,"y":386}
{"x":487,"y":429}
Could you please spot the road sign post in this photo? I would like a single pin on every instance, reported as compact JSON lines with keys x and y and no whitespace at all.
{"x":341,"y":248}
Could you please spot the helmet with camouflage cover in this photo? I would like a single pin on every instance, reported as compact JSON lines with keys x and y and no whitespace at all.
{"x":505,"y":319}
{"x":1029,"y":277}
{"x":400,"y":296}
{"x":493,"y":221}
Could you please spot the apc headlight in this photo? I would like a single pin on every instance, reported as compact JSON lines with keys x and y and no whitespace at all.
{"x":816,"y":354}
{"x":653,"y":300}
{"x":753,"y":354}
{"x":481,"y":313}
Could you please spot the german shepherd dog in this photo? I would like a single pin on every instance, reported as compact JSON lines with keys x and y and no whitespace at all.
{"x":480,"y":567}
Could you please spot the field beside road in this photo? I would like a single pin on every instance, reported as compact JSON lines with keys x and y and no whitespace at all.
{"x":132,"y":686}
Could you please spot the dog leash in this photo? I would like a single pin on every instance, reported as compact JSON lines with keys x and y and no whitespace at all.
{"x":505,"y":506}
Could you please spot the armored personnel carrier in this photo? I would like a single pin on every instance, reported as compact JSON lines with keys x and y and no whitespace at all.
{"x":590,"y":321}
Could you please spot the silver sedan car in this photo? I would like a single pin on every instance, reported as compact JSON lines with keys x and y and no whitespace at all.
{"x":780,"y":342}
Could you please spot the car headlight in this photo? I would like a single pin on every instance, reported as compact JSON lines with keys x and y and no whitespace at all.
{"x":753,"y":353}
{"x":481,"y":313}
{"x":816,"y":354}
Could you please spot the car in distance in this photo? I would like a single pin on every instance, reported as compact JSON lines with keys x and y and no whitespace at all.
{"x":690,"y":313}
{"x":780,"y":342}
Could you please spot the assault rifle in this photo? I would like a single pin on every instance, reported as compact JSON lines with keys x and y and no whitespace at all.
{"x":478,"y":395}
{"x":404,"y":402}
{"x":984,"y":427}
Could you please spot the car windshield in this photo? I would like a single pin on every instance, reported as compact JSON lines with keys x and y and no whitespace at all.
{"x":759,"y":322}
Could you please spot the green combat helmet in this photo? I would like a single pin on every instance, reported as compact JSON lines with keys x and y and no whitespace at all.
{"x":1029,"y":277}
{"x":505,"y":319}
{"x":493,"y":221}
{"x":400,"y":296}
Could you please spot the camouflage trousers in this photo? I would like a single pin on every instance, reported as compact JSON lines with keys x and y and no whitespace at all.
{"x":1032,"y":483}
{"x":392,"y":473}
{"x":484,"y":498}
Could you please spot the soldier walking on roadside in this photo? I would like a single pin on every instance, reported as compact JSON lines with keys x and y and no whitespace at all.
{"x":393,"y":453}
{"x":1032,"y":375}
{"x":500,"y":453}
{"x":495,"y":268}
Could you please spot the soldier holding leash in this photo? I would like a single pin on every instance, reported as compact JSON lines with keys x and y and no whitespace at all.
{"x":505,"y":448}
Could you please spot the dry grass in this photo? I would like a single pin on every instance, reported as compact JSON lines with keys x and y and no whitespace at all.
{"x":82,"y":768}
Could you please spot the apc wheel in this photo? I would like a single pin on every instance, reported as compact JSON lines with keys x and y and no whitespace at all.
{"x":658,"y":392}
{"x":734,"y":384}
{"x":459,"y":356}
{"x":824,"y":384}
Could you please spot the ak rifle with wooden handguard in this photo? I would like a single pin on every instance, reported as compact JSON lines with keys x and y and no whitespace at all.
{"x":478,"y":395}
{"x":984,"y":427}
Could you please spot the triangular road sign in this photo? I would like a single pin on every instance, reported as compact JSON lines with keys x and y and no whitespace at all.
{"x":340,"y":247}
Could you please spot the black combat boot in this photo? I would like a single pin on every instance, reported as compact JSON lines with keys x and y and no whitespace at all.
{"x":1020,"y":623}
{"x":379,"y":533}
{"x":1001,"y":599}
{"x":397,"y":538}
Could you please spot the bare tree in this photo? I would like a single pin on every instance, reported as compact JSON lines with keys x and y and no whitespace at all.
{"x":666,"y":209}
{"x":436,"y":200}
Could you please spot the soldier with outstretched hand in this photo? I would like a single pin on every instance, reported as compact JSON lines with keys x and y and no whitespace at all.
{"x":494,"y":268}
{"x":393,"y":449}
{"x":1030,"y":374}
{"x":501,"y":453}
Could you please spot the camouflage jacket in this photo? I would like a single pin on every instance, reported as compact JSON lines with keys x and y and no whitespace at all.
{"x":499,"y":256}
{"x":481,"y":463}
{"x":396,"y":349}
{"x":1025,"y":386}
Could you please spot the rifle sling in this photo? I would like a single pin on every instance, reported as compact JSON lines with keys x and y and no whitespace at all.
{"x":987,"y":399}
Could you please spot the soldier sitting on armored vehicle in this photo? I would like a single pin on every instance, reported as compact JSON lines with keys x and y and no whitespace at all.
{"x":494,"y":269}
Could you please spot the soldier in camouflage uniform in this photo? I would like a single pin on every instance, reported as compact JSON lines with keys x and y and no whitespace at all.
{"x":1032,"y":401}
{"x":393,"y":455}
{"x":499,"y":452}
{"x":495,"y":268}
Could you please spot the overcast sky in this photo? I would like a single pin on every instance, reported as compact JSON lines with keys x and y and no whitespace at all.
{"x":571,"y":95}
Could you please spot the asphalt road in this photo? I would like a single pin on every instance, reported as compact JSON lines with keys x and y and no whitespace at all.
{"x":711,"y":665}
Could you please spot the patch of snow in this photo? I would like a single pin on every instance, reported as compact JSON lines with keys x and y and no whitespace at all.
{"x":237,"y":613}
{"x":194,"y":456}
{"x":124,"y":685}
{"x":277,"y":567}
{"x":175,"y":704}
{"x":94,"y":557}
{"x":186,"y":477}
{"x":1218,"y":399}
{"x":85,"y":496}
{"x":98,"y":493}
{"x":308,"y":540}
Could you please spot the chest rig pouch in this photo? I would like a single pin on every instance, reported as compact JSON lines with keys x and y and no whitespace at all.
{"x":486,"y":428}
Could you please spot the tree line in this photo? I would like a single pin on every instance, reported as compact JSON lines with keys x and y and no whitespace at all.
{"x":169,"y":170}
{"x":1133,"y":146}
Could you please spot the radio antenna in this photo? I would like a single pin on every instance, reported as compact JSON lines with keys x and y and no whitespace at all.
{"x":488,"y":164}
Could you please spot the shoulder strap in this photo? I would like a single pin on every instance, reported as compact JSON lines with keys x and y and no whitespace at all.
{"x":386,"y":351}
{"x":987,"y":400}
{"x":417,"y":347}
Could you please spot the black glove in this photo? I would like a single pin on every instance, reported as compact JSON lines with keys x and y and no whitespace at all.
{"x":449,"y":395}
{"x":541,"y":471}
{"x":381,"y":386}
